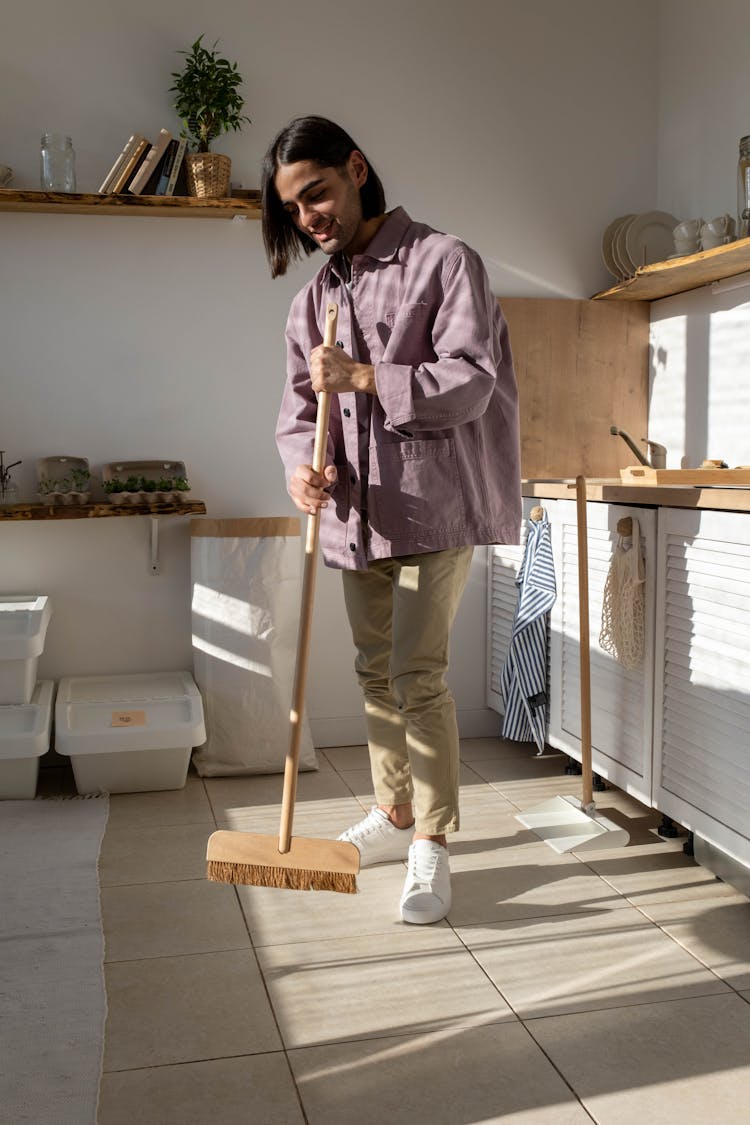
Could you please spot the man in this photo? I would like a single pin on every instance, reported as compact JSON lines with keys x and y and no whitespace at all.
{"x":423,"y":464}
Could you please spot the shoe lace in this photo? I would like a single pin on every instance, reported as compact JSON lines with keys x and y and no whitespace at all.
{"x":423,"y":865}
{"x":369,"y":826}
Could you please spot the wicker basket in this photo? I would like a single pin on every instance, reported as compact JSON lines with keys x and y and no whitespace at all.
{"x":208,"y":174}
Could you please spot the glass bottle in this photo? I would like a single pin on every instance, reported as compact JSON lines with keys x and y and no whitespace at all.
{"x":743,"y":189}
{"x":8,"y":487}
{"x":58,"y":163}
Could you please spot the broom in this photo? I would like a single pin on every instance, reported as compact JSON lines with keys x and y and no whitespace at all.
{"x":286,"y":861}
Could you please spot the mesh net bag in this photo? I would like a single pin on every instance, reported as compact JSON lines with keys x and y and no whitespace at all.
{"x":623,"y":630}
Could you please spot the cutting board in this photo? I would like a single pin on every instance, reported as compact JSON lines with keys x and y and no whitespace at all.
{"x":641,"y":474}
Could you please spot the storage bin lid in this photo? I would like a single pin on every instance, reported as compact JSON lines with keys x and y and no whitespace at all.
{"x":23,"y":625}
{"x":133,"y":686}
{"x":25,"y":727}
{"x":145,"y":711}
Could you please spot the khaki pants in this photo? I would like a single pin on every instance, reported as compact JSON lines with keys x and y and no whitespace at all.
{"x":401,"y":611}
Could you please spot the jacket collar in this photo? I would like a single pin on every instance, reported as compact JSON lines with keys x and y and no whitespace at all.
{"x":383,"y":247}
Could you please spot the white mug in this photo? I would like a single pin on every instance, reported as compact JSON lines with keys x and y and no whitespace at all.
{"x":711,"y":241}
{"x":688,"y":230}
{"x":721,"y":226}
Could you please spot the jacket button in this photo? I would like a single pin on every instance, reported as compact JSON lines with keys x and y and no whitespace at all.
{"x":352,"y":546}
{"x":347,"y":412}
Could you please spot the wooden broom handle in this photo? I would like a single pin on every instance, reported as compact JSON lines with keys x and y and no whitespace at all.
{"x":291,"y":764}
{"x":587,"y":780}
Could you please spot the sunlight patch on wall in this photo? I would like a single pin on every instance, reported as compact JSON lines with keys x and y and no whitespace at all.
{"x":667,"y":415}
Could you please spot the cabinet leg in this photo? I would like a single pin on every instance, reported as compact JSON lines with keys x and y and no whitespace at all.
{"x":573,"y":768}
{"x":689,"y":846}
{"x":667,"y":828}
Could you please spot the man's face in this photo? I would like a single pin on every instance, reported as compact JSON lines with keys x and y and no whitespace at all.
{"x":324,"y":203}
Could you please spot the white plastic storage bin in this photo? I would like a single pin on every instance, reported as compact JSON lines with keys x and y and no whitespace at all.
{"x":129,"y":734}
{"x":24,"y":737}
{"x":23,"y":628}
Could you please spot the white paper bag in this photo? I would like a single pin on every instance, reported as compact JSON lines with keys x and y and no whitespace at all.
{"x":245,"y":614}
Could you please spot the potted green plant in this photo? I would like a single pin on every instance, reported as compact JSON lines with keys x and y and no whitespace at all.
{"x":64,"y":480}
{"x":208,"y":102}
{"x":146,"y":489}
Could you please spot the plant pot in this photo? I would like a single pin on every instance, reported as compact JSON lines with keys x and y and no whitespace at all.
{"x":55,"y":497}
{"x":208,"y":174}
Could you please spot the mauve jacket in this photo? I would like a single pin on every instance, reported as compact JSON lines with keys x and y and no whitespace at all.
{"x":434,"y":458}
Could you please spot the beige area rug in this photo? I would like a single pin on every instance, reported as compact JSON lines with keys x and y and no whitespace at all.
{"x":52,"y":997}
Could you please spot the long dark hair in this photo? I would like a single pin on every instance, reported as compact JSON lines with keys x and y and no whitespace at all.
{"x":326,"y":145}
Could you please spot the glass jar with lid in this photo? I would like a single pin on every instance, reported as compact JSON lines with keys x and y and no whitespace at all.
{"x":8,"y":487}
{"x":58,"y":163}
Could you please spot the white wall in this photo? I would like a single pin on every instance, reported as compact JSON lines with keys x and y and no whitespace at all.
{"x":128,"y":337}
{"x":699,"y":340}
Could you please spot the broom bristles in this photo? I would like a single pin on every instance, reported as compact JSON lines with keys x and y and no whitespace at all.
{"x":291,"y":878}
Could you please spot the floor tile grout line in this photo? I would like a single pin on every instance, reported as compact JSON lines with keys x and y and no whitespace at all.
{"x":174,"y":956}
{"x":690,"y":953}
{"x":522,"y":1022}
{"x":526,"y":1020}
{"x":272,"y":1009}
{"x":558,"y":1071}
{"x":192,"y":1062}
{"x":620,"y":1007}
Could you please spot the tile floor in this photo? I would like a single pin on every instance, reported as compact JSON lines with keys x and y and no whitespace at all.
{"x":613,"y":987}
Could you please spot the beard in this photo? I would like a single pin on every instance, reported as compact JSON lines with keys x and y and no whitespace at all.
{"x":341,"y":229}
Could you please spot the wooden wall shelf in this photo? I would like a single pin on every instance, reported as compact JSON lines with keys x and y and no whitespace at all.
{"x":679,"y":275}
{"x":82,"y":203}
{"x":23,"y":512}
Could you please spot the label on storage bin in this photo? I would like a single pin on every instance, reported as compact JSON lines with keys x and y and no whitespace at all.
{"x":128,"y":718}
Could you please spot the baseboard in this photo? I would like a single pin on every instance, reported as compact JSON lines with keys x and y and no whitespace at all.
{"x":349,"y":730}
{"x":723,"y":866}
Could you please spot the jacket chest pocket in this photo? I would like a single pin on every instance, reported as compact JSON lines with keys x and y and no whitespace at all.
{"x":408,"y":335}
{"x":414,"y":487}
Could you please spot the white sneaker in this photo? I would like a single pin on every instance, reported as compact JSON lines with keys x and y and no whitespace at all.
{"x":427,"y":891}
{"x":378,"y":839}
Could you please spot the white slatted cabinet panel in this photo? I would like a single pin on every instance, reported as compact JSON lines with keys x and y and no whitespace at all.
{"x":503,"y":564}
{"x":702,"y":695}
{"x":621,"y":698}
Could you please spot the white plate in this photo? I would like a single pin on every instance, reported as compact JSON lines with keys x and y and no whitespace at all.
{"x":650,"y":238}
{"x":619,"y":248}
{"x":608,"y":249}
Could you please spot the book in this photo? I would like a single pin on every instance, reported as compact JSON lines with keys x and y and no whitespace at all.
{"x":133,"y":161}
{"x":165,"y":167}
{"x":127,"y":150}
{"x":177,"y":167}
{"x":150,"y":165}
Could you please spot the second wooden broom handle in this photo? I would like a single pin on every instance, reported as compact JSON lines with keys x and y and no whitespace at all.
{"x":587,"y":779}
{"x":291,"y":765}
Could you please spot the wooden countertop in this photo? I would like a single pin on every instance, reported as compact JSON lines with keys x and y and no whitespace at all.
{"x":611,"y":491}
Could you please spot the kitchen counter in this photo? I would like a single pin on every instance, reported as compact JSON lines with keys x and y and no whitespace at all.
{"x":612,"y":491}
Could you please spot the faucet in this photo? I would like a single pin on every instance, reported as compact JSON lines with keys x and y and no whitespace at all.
{"x":657,"y":458}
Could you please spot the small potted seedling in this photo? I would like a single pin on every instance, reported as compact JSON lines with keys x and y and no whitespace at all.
{"x":116,"y":491}
{"x":70,"y":486}
{"x":145,"y":482}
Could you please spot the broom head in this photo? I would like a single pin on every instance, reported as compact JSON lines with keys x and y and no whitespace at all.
{"x":309,"y":865}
